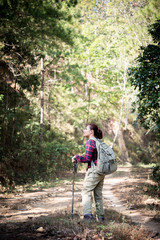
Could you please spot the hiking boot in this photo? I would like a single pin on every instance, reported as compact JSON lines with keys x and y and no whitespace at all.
{"x":100,"y":218}
{"x":88,"y":217}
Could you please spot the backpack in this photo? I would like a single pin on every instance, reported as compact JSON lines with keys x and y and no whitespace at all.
{"x":106,"y":159}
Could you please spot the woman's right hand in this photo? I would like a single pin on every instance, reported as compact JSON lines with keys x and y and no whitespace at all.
{"x":73,"y":159}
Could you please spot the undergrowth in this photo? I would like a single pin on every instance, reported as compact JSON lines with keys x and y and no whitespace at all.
{"x":61,"y":226}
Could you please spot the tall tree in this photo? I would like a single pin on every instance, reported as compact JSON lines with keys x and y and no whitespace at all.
{"x":29,"y":31}
{"x":145,"y":77}
{"x":23,"y":23}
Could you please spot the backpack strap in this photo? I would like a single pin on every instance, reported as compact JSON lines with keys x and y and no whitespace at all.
{"x":92,"y":163}
{"x":96,"y":140}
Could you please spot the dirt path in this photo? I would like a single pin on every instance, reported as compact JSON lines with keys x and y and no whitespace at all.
{"x":144,"y":220}
{"x":35,"y":204}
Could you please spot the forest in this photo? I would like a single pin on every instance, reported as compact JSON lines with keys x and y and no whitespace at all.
{"x":65,"y":64}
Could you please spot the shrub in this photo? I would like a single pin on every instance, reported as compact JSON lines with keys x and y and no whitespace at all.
{"x":156,"y":174}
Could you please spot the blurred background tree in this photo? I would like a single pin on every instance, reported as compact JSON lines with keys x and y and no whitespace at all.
{"x":65,"y":64}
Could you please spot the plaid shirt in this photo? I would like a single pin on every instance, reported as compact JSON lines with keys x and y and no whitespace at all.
{"x":90,"y":153}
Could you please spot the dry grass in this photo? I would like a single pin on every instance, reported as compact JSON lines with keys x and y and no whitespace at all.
{"x":139,"y":192}
{"x":62,"y":226}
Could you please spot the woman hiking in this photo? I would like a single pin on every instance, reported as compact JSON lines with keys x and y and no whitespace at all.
{"x":92,"y":182}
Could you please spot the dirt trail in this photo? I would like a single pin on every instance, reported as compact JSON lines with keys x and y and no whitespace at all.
{"x":48,"y":201}
{"x":120,"y":205}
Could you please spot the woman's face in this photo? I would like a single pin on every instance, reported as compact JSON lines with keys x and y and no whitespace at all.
{"x":87,"y":132}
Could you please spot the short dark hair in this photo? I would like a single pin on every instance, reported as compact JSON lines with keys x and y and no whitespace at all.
{"x":97,"y":132}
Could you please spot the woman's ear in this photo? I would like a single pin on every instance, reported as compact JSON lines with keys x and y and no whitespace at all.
{"x":92,"y":131}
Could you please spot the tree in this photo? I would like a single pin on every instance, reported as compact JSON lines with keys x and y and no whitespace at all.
{"x":30,"y":30}
{"x":145,"y":77}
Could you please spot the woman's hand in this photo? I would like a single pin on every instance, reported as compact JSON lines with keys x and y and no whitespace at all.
{"x":73,"y":159}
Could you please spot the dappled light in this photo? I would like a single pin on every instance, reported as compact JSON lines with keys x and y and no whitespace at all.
{"x":79,"y":96}
{"x":47,"y":212}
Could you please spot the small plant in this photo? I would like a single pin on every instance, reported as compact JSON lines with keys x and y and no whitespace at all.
{"x":101,"y":227}
{"x":108,"y":234}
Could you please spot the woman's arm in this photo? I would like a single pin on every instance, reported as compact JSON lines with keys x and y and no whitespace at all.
{"x":89,"y":147}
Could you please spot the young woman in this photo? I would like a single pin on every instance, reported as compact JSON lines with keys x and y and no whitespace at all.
{"x":92,"y":182}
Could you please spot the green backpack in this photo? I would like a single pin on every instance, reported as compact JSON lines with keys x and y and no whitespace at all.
{"x":106,"y":159}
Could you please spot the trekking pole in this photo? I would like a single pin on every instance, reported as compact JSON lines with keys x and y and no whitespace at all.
{"x":74,"y":170}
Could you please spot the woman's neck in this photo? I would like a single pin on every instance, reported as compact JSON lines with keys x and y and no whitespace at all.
{"x":91,"y":136}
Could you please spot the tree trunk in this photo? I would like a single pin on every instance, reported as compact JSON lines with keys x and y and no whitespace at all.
{"x":113,"y":126}
{"x":42,"y":100}
{"x":88,"y":92}
{"x":5,"y":125}
{"x":122,"y":146}
{"x":127,"y":112}
{"x":89,"y":99}
{"x":14,"y":116}
{"x":119,"y":124}
{"x":49,"y":108}
{"x":121,"y":111}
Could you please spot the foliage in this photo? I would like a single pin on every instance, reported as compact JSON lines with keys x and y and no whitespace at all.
{"x":32,"y":161}
{"x":154,"y":30}
{"x":29,"y":30}
{"x":156,"y":174}
{"x":145,"y":77}
{"x":86,"y":47}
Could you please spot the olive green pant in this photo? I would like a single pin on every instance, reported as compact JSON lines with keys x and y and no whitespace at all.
{"x":93,"y":182}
